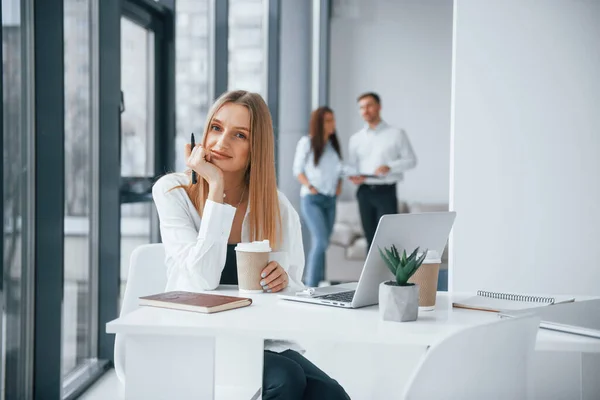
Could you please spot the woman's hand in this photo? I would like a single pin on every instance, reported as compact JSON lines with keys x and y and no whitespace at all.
{"x":382,"y":171}
{"x":275,"y":279}
{"x":357,"y":179}
{"x":198,"y":159}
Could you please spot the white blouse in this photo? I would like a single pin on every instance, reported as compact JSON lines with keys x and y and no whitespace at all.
{"x":196,"y":248}
{"x":325,"y":176}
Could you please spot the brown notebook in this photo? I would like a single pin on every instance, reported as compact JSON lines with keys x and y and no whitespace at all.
{"x":198,"y":302}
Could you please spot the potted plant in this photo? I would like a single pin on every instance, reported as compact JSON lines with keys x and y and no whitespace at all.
{"x":398,"y":299}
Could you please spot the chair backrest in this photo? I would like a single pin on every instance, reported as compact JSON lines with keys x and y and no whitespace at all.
{"x":490,"y":361}
{"x":147,"y":275}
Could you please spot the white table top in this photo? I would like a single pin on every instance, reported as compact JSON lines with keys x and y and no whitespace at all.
{"x":270,"y":317}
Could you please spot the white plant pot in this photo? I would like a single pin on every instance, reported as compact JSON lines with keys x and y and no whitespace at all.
{"x":398,"y":303}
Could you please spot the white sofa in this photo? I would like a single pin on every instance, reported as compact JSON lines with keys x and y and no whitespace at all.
{"x":347,"y":251}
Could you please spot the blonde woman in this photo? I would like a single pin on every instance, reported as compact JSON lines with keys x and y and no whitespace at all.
{"x":236,"y":199}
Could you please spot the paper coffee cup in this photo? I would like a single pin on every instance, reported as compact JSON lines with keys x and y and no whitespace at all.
{"x":252,"y":258}
{"x":427,"y":279}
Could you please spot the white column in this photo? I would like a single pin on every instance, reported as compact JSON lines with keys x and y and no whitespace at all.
{"x":294,"y":90}
{"x":526,"y":141}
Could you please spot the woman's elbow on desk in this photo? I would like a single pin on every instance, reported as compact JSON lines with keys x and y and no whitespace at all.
{"x":186,"y":279}
{"x":204,"y":281}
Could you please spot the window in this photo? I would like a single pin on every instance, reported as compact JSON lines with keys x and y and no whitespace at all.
{"x":137,"y":82}
{"x":17,"y":265}
{"x":77,"y":345}
{"x":247,"y":46}
{"x":192,"y":72}
{"x":137,"y":133}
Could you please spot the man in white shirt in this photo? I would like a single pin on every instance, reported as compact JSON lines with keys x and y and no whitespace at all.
{"x":380,"y":154}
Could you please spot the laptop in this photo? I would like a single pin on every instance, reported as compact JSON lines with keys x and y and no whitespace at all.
{"x":579,"y":317}
{"x":407,"y":231}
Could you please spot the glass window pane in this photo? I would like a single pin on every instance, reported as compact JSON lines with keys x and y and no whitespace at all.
{"x":247,"y":46}
{"x":192,"y":72}
{"x":137,"y":83}
{"x":15,"y":163}
{"x":76,"y":333}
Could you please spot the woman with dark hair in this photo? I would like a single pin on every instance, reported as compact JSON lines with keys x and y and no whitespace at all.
{"x":318,"y":167}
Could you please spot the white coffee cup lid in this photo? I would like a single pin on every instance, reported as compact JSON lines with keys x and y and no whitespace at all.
{"x":432,"y":257}
{"x":254,"y":247}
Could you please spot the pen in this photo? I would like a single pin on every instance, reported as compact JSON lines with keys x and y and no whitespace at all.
{"x":192,"y":145}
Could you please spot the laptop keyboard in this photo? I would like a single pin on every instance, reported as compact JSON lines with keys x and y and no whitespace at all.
{"x":344,"y":297}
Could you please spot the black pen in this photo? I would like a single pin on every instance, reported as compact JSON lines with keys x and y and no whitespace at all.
{"x":192,"y":145}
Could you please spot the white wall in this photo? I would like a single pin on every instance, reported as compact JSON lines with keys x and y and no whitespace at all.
{"x":527,"y":146}
{"x":403,"y":51}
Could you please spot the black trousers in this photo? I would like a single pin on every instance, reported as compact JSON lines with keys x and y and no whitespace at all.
{"x":290,"y":376}
{"x":375,"y":201}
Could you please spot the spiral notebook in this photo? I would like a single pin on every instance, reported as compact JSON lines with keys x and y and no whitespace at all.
{"x":498,"y":301}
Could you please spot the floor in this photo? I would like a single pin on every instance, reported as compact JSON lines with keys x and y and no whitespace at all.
{"x":107,"y":387}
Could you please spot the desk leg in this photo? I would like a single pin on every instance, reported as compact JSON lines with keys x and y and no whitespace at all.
{"x":366,"y":371}
{"x":166,"y":367}
{"x":590,"y":371}
{"x":566,"y":375}
{"x":239,"y":367}
{"x":555,"y":375}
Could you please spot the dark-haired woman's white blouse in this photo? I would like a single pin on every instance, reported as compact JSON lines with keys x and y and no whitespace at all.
{"x":324,"y":176}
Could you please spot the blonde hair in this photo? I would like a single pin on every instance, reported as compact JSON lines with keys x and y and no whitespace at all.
{"x":264,"y":216}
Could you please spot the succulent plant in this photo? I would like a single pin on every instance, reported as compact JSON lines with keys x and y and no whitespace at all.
{"x":402,"y":267}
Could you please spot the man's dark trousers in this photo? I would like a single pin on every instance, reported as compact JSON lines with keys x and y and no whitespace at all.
{"x":374,"y":201}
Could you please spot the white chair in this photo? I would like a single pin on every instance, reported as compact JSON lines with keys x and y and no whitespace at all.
{"x":490,"y":361}
{"x":147,"y":275}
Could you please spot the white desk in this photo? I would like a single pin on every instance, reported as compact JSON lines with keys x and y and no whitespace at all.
{"x":171,"y":354}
